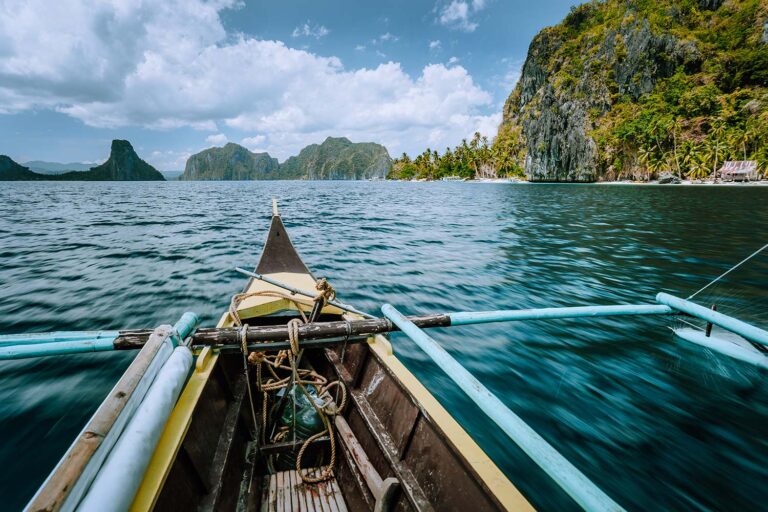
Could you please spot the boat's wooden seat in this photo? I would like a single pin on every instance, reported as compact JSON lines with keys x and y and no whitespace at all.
{"x":285,"y":492}
{"x":262,"y":305}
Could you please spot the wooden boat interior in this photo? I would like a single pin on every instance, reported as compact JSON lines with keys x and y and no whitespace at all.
{"x":392,"y":446}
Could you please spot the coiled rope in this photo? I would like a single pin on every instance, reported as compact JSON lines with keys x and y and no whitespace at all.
{"x":323,"y":411}
{"x":300,"y":377}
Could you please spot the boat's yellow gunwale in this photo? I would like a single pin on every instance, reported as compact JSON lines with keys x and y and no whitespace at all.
{"x":178,"y":424}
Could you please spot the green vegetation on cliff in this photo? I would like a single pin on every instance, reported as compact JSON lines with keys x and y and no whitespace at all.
{"x":629,"y":88}
{"x":11,"y":171}
{"x":123,"y":165}
{"x":231,"y":162}
{"x":338,"y":159}
{"x":467,"y":160}
{"x":334,"y":159}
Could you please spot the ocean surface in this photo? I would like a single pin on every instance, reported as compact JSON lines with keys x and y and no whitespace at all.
{"x":656,"y":423}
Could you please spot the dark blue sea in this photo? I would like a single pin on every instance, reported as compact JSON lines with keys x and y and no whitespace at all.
{"x":657,"y":423}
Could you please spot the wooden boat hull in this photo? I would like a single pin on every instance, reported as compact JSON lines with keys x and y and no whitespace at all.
{"x":396,"y":447}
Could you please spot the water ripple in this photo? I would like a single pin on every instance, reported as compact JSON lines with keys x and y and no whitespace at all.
{"x":657,"y":424}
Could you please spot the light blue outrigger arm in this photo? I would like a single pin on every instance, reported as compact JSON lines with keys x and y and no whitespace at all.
{"x":184,"y":327}
{"x":57,"y":348}
{"x":743,"y":329}
{"x":23,"y":346}
{"x":566,"y":475}
{"x":8,"y":340}
{"x":486,"y":317}
{"x":724,"y":347}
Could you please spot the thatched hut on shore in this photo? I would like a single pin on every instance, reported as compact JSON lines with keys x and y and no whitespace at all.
{"x":739,"y":170}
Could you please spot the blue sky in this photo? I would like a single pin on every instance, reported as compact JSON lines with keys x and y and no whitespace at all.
{"x":176,"y":77}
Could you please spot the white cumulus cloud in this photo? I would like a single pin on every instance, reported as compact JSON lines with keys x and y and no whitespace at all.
{"x":254,"y":143}
{"x":166,"y":65}
{"x":434,"y":45}
{"x":458,"y":14}
{"x":309,"y":30}
{"x":218,"y":139}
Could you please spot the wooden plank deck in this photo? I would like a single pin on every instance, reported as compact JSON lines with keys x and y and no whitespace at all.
{"x":285,"y":492}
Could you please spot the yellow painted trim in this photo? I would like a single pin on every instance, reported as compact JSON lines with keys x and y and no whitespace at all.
{"x":173,"y":434}
{"x":202,"y":359}
{"x":507,"y":494}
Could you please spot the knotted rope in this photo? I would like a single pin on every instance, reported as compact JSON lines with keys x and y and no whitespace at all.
{"x":326,"y":291}
{"x":300,"y":377}
{"x":293,"y":335}
{"x":244,"y":348}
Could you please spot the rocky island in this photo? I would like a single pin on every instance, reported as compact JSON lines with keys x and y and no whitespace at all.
{"x":338,"y":159}
{"x":231,"y":162}
{"x":334,"y":159}
{"x":628,"y":90}
{"x":622,"y":90}
{"x":123,"y":165}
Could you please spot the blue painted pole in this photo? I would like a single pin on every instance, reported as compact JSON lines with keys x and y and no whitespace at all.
{"x":56,"y":348}
{"x":565,"y":474}
{"x":184,"y":327}
{"x":55,"y":344}
{"x":728,"y":323}
{"x":485,"y":317}
{"x":7,"y":340}
{"x":724,"y":347}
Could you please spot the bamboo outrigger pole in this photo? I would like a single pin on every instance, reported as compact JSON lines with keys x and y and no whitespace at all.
{"x":566,"y":475}
{"x":729,"y":323}
{"x":14,"y":347}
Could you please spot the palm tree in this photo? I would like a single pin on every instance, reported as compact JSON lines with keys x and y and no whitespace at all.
{"x":717,"y":149}
{"x":645,"y":156}
{"x":688,"y":154}
{"x":677,"y":126}
{"x":699,"y":167}
{"x":656,"y":165}
{"x":716,"y":145}
{"x":742,"y":138}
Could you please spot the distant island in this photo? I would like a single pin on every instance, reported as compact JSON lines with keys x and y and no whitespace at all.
{"x":628,"y":91}
{"x":55,"y":167}
{"x":337,"y":158}
{"x":231,"y":162}
{"x":123,"y":165}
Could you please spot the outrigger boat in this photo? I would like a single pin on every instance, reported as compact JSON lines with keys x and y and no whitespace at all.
{"x":296,"y":401}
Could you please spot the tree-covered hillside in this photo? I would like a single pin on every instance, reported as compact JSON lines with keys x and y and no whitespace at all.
{"x":628,"y":88}
{"x":123,"y":164}
{"x":337,"y":158}
{"x":12,"y":171}
{"x":334,"y":159}
{"x":231,"y":162}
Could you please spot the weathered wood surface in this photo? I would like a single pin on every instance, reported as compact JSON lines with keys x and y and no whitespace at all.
{"x":273,"y":448}
{"x":59,"y":485}
{"x":285,"y":492}
{"x":132,"y":339}
{"x":382,"y":490}
{"x":402,"y":439}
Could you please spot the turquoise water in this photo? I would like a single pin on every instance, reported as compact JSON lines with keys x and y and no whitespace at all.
{"x":656,"y":423}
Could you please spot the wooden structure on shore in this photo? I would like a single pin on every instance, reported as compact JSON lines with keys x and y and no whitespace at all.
{"x":739,"y":170}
